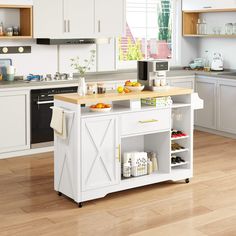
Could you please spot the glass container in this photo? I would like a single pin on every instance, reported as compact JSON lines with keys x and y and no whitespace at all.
{"x":229,"y":28}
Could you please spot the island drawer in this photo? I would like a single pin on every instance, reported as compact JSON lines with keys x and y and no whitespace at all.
{"x":145,"y":121}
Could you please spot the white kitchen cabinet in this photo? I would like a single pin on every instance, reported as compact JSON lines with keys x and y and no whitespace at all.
{"x":16,"y":2}
{"x":78,"y":18}
{"x":226,"y":111}
{"x":14,"y":121}
{"x":48,"y":19}
{"x":63,"y":19}
{"x":100,"y":152}
{"x":191,"y":5}
{"x":109,"y":17}
{"x":182,"y":83}
{"x":207,"y":90}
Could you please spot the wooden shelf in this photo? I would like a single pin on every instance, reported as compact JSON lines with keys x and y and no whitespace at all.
{"x":210,"y":35}
{"x":15,"y":37}
{"x":190,"y":20}
{"x":25,"y":23}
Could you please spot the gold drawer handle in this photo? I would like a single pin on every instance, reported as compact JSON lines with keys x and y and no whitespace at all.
{"x":148,"y":121}
{"x":119,"y":156}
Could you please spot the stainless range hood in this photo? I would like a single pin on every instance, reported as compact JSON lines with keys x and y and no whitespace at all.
{"x":48,"y":41}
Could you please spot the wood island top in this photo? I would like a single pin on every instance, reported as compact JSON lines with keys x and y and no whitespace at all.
{"x":107,"y":97}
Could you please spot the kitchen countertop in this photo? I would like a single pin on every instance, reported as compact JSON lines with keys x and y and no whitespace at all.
{"x":107,"y":77}
{"x":95,"y":98}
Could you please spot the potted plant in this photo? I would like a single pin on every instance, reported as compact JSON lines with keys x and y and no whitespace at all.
{"x":81,"y":70}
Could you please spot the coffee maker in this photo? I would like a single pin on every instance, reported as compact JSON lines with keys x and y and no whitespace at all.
{"x":152,"y":73}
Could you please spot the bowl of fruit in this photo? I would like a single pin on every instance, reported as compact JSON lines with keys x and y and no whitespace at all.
{"x":134,"y":86}
{"x":100,"y":107}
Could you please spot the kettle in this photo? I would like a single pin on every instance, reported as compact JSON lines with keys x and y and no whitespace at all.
{"x":217,"y":62}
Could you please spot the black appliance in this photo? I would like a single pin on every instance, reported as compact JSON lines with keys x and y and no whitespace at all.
{"x":48,"y":41}
{"x":41,"y":114}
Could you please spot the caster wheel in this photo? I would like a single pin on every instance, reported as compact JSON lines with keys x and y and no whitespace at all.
{"x":59,"y":193}
{"x":80,"y":205}
{"x":187,"y":181}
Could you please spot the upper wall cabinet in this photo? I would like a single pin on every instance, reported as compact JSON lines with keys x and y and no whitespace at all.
{"x":199,"y":5}
{"x":109,"y":17}
{"x":78,"y":18}
{"x":16,"y":2}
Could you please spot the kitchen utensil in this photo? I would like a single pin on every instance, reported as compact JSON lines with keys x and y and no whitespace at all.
{"x":217,"y":62}
{"x":101,"y":88}
{"x":229,"y":28}
{"x":3,"y":67}
{"x":135,"y":89}
{"x":11,"y":73}
{"x":100,"y":109}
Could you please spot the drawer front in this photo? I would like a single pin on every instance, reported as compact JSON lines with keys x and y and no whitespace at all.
{"x":144,"y":122}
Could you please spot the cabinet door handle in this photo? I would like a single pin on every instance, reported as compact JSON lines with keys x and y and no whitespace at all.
{"x":99,"y":26}
{"x":68,"y":26}
{"x":64,"y":26}
{"x":148,"y":121}
{"x":207,"y":7}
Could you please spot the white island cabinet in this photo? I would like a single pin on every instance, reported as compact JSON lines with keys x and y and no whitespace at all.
{"x":14,"y":121}
{"x":88,"y":163}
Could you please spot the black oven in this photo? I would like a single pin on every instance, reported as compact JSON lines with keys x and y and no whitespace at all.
{"x":41,"y":114}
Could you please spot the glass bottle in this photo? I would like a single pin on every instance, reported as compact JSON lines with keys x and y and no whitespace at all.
{"x":199,"y":27}
{"x":206,"y":62}
{"x":204,"y":27}
{"x":1,"y":29}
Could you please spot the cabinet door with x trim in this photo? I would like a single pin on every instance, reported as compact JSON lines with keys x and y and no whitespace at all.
{"x":100,"y":154}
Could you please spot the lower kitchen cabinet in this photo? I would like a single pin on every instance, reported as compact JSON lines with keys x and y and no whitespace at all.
{"x":207,"y":90}
{"x":100,"y":152}
{"x":226,"y":113}
{"x":14,"y":121}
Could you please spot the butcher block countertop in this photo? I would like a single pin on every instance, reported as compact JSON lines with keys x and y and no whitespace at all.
{"x":96,"y":98}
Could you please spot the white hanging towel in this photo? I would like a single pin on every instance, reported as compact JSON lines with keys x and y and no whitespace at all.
{"x":58,"y":122}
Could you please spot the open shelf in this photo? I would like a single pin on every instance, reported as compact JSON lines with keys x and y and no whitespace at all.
{"x":181,"y":150}
{"x":179,"y":105}
{"x":179,"y":164}
{"x":179,"y":138}
{"x":23,"y":17}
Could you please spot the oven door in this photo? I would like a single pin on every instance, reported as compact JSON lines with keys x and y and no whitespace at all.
{"x":41,"y":115}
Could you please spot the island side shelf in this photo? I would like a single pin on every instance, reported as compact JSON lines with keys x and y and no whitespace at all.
{"x":88,"y":164}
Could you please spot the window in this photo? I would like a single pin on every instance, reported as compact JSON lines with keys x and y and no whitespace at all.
{"x":149,"y":32}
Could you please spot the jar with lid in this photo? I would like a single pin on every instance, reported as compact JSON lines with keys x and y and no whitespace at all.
{"x":229,"y":28}
{"x":16,"y":31}
{"x":91,"y":88}
{"x":234,"y":28}
{"x":101,"y":88}
{"x":9,"y":31}
{"x":126,"y":170}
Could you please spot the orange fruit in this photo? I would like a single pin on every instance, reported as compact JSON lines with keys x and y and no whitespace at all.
{"x":99,"y":105}
{"x":127,"y":90}
{"x":107,"y":106}
{"x":93,"y":106}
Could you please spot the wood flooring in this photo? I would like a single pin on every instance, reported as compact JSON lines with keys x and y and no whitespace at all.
{"x":206,"y":206}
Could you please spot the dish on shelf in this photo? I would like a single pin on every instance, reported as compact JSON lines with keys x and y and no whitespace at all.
{"x":100,"y":107}
{"x":135,"y":88}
